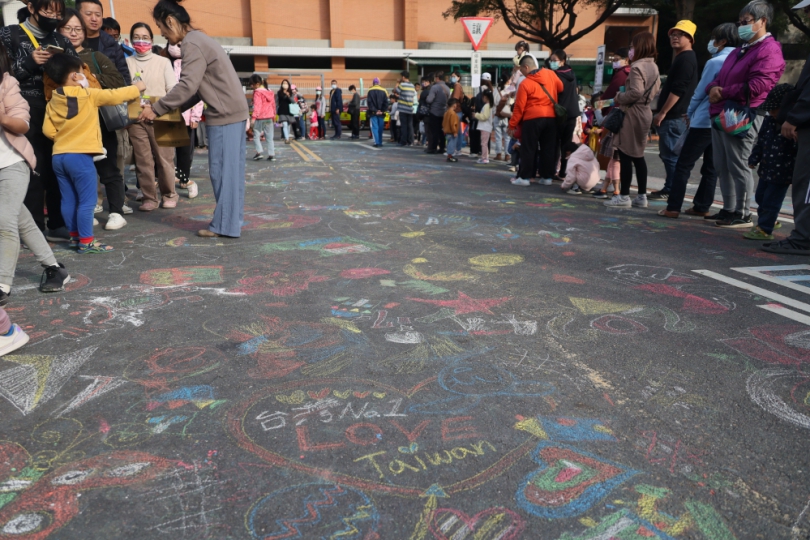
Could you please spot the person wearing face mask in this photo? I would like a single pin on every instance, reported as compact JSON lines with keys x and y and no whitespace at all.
{"x":26,"y":46}
{"x":621,"y":69}
{"x":156,"y":71}
{"x":335,"y":108}
{"x":698,"y":141}
{"x":354,"y":113}
{"x":747,"y":76}
{"x":568,"y":98}
{"x":284,"y":99}
{"x":320,"y":108}
{"x":458,"y":93}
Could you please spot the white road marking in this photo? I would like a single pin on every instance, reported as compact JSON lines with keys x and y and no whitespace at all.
{"x":756,"y":290}
{"x":785,"y":312}
{"x":784,"y":281}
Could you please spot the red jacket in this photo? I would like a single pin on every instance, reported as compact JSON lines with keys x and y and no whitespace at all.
{"x":531,"y":101}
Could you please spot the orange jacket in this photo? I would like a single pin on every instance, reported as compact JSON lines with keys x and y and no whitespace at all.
{"x":531,"y":102}
{"x":450,"y":122}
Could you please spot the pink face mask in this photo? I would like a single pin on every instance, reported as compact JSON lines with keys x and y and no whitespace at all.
{"x":174,"y":51}
{"x":142,"y":47}
{"x":631,"y":54}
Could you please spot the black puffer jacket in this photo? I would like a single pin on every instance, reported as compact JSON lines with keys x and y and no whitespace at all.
{"x":28,"y":72}
{"x":569,"y":97}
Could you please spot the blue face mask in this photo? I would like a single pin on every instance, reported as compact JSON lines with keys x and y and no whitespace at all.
{"x":712,"y":49}
{"x":453,"y":79}
{"x":554,"y":65}
{"x":746,"y":32}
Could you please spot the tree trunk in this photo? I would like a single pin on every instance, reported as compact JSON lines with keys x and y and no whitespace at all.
{"x":685,"y":9}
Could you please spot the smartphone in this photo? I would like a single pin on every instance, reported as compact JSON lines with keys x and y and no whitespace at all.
{"x":53,"y":49}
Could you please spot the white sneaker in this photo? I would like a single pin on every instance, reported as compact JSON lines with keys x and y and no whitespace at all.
{"x":621,"y":201}
{"x":445,"y":153}
{"x":13,"y":341}
{"x":640,"y":201}
{"x":139,"y":196}
{"x":545,"y":181}
{"x":520,"y":182}
{"x":574,"y":191}
{"x":126,"y":209}
{"x":132,"y":167}
{"x":115,"y":222}
{"x":95,"y":222}
{"x":483,"y":161}
{"x":193,"y":191}
{"x":99,"y":209}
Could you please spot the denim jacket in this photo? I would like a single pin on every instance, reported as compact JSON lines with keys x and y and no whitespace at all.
{"x":698,"y":111}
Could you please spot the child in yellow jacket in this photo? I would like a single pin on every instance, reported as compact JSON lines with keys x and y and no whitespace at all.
{"x":71,"y":121}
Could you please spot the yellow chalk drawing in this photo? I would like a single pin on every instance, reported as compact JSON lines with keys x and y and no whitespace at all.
{"x":342,"y":394}
{"x":494,"y":260}
{"x":598,"y":307}
{"x":588,"y":522}
{"x":413,"y":234}
{"x":342,"y":323}
{"x":440,"y":276}
{"x":176,"y":242}
{"x":296,"y":398}
{"x":647,"y":508}
{"x":531,"y":425}
{"x":419,"y":260}
{"x":379,"y":395}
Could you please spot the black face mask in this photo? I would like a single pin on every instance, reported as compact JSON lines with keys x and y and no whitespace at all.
{"x":46,"y":24}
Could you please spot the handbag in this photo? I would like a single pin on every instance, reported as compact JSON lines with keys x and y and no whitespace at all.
{"x":295,"y":109}
{"x":736,"y":119}
{"x":615,"y":118}
{"x":115,"y":116}
{"x":606,"y":148}
{"x":560,"y":112}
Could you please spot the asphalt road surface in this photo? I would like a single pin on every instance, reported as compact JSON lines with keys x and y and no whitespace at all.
{"x":403,"y":348}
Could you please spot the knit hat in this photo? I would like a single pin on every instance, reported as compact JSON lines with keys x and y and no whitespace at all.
{"x":775,"y":97}
{"x":376,"y":80}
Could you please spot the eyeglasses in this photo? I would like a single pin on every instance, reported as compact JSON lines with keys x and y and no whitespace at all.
{"x":677,"y":35}
{"x":746,"y":22}
{"x":73,"y":29}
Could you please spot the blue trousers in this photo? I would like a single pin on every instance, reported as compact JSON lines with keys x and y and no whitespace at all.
{"x":452,"y":141}
{"x":76,"y":175}
{"x":378,"y":128}
{"x":336,"y":124}
{"x":668,"y":134}
{"x":769,"y":197}
{"x":460,"y":136}
{"x":226,"y":164}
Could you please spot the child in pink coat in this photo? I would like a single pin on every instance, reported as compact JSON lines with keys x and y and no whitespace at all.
{"x":582,"y":170}
{"x":313,"y":122}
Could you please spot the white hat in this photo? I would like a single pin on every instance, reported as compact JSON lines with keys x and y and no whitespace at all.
{"x":801,"y":5}
{"x":488,"y":77}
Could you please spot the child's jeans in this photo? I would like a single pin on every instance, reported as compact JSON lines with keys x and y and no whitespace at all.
{"x":77,"y":183}
{"x":769,"y":197}
{"x":452,"y":141}
{"x":267,"y":126}
{"x":485,"y":144}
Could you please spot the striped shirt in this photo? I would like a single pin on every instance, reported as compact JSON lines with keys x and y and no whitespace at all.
{"x":407,"y":94}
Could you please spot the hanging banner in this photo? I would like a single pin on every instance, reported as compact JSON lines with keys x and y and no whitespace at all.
{"x":600,"y":69}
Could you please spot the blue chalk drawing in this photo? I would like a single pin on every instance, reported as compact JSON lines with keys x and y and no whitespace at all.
{"x":567,"y":429}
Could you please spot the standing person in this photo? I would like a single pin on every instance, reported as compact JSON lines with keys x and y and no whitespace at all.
{"x":630,"y":141}
{"x":393,"y":123}
{"x":354,"y":113}
{"x":377,"y":105}
{"x":423,"y":109}
{"x":621,"y":70}
{"x":264,"y":117}
{"x":93,"y":15}
{"x":335,"y":108}
{"x":296,"y":111}
{"x":320,"y":108}
{"x":437,"y":103}
{"x":672,"y":103}
{"x":157,"y":73}
{"x":73,"y":28}
{"x":501,"y":123}
{"x":724,"y":40}
{"x":184,"y":155}
{"x":747,"y":76}
{"x":313,"y":122}
{"x":283,"y":101}
{"x":534,"y":113}
{"x":569,"y":98}
{"x":208,"y":74}
{"x":458,"y":94}
{"x":25,"y":44}
{"x":17,"y":159}
{"x":776,"y":157}
{"x":451,"y":126}
{"x":72,"y":121}
{"x":484,"y":124}
{"x":407,"y":97}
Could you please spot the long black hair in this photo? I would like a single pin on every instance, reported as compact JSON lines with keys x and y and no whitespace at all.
{"x":5,"y":62}
{"x":38,"y":5}
{"x":171,"y":8}
{"x":281,"y":86}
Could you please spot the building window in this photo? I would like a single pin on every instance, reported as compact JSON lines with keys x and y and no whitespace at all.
{"x":376,"y":64}
{"x":242,"y":63}
{"x":299,"y":62}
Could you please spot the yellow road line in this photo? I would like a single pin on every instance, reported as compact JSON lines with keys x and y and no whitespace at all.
{"x":308,"y":151}
{"x":294,"y":146}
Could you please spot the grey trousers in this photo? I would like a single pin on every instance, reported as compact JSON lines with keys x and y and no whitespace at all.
{"x":736,"y":178}
{"x":800,"y":193}
{"x":226,"y":165}
{"x":16,"y":222}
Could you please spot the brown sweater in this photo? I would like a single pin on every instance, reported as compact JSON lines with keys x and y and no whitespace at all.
{"x":208,"y":75}
{"x":450,"y":122}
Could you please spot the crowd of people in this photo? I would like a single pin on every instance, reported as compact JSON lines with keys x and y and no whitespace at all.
{"x":67,"y":131}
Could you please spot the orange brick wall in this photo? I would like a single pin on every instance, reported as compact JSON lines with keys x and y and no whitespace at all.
{"x":217,"y":18}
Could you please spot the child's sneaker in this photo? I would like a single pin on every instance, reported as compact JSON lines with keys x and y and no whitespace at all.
{"x":12,"y":341}
{"x":640,"y":201}
{"x":54,"y":278}
{"x":620,"y":201}
{"x":483,"y":161}
{"x":757,"y":234}
{"x":574,"y":191}
{"x":94,"y":247}
{"x":99,"y":209}
{"x":452,"y":159}
{"x":601,"y":195}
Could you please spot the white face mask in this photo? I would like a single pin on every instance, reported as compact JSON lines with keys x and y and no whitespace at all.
{"x":334,"y":87}
{"x":82,"y":80}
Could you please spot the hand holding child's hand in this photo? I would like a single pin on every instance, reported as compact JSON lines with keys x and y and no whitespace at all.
{"x":140,"y":85}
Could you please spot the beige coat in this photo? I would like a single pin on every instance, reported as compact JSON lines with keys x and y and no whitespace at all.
{"x":14,"y":105}
{"x":635,"y":102}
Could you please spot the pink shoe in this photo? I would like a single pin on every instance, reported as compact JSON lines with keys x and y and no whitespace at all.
{"x":170,"y":202}
{"x":148,"y":206}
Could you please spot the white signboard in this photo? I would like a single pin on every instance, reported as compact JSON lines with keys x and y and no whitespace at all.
{"x":475,"y":69}
{"x":600,"y":69}
{"x":476,"y":28}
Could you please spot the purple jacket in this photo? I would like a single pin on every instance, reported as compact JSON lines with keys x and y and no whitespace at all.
{"x":760,"y":65}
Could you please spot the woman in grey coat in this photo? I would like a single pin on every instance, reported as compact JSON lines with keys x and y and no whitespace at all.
{"x":641,"y":86}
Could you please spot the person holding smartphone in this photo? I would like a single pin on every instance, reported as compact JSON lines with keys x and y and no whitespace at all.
{"x":30,"y":45}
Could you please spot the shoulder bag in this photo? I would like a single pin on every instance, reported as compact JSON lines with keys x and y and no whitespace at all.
{"x":736,"y":119}
{"x":615,"y":118}
{"x":560,"y":112}
{"x":115,"y":116}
